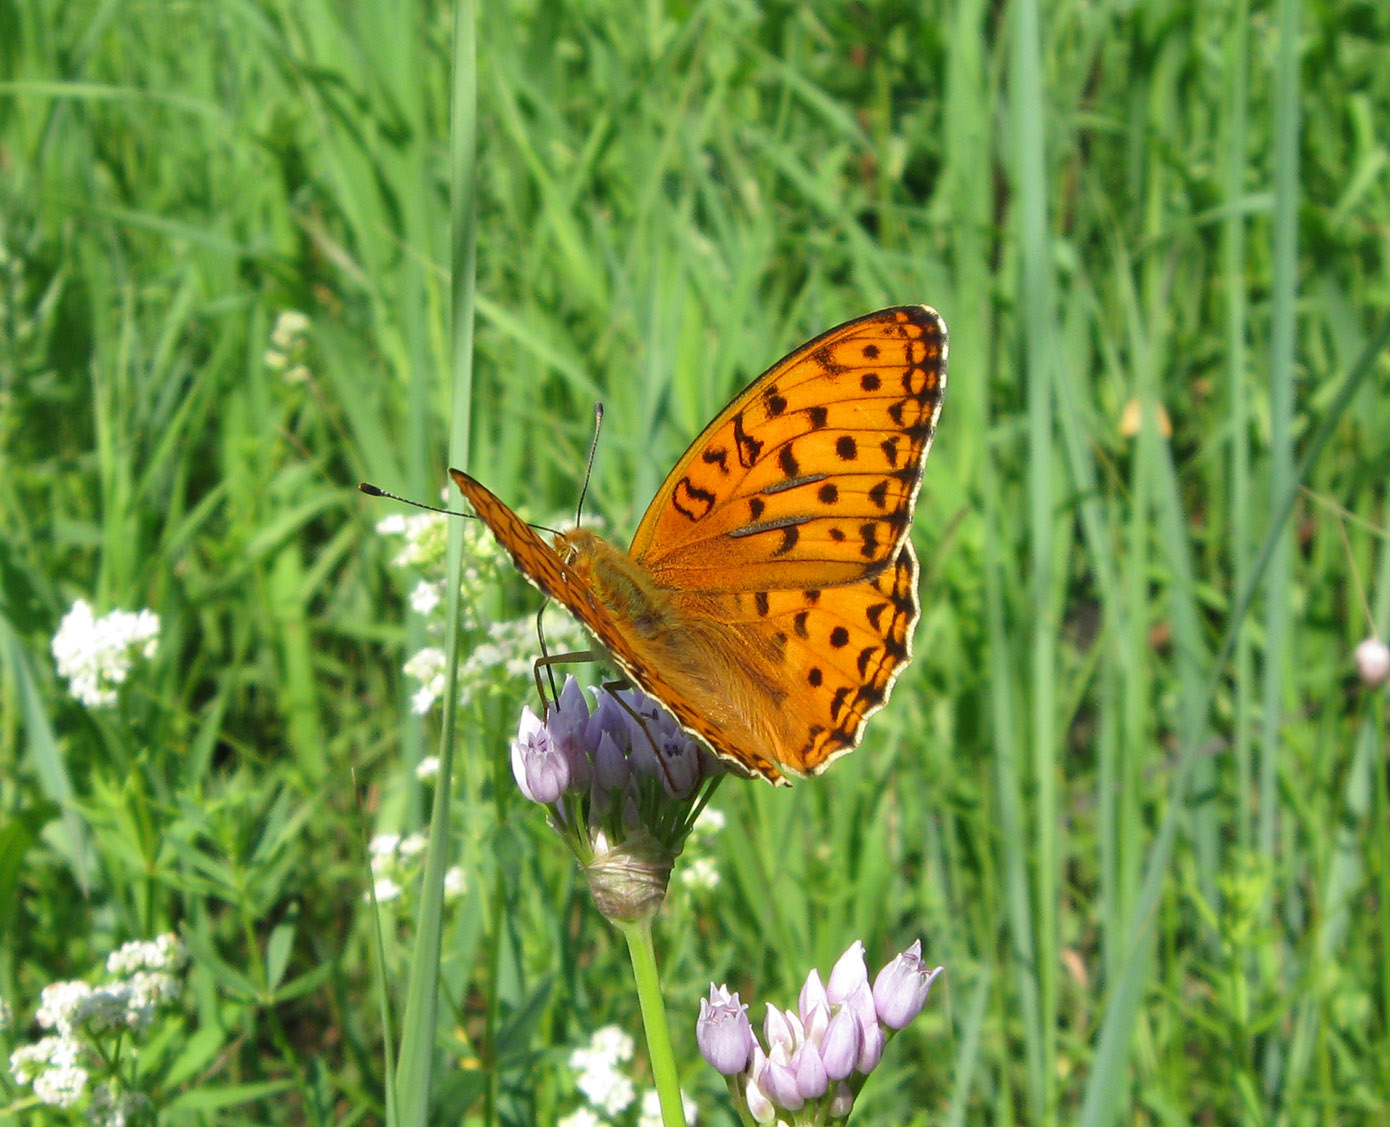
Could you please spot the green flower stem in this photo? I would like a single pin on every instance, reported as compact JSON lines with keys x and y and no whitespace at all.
{"x":638,"y":934}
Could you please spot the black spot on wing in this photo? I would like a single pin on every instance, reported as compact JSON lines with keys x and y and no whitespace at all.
{"x":787,"y":460}
{"x":749,"y":448}
{"x":691,"y":501}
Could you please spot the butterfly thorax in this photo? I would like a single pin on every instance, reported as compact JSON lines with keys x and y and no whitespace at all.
{"x":616,"y":582}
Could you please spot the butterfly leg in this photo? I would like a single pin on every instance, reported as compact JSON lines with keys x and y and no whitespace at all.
{"x":546,"y":662}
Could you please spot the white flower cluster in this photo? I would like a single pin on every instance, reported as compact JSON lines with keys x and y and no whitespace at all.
{"x":509,"y":647}
{"x":600,"y":1078}
{"x":81,"y":1017}
{"x":289,"y":347}
{"x":608,"y":1090}
{"x":699,"y":872}
{"x":395,"y":865}
{"x":95,"y":654}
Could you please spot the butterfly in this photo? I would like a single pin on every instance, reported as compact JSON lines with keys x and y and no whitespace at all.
{"x":769,"y":595}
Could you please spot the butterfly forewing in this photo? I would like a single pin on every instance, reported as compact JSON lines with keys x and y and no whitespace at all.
{"x":817,"y":462}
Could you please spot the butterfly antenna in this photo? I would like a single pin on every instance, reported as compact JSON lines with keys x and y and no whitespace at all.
{"x":375,"y":491}
{"x":589,"y":468}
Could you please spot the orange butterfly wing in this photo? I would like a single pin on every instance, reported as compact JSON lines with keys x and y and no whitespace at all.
{"x":769,"y":595}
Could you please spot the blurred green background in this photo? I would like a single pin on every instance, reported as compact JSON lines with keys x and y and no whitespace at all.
{"x":1130,"y":793}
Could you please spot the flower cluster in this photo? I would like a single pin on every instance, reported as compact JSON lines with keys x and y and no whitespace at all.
{"x":87,"y":1023}
{"x":818,"y":1055}
{"x":503,"y":646}
{"x":396,"y":866}
{"x":606,"y":1087}
{"x":624,"y":784}
{"x":289,"y":347}
{"x":95,"y":654}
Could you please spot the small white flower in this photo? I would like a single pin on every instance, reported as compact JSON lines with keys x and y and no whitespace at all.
{"x":96,"y":654}
{"x":413,"y":845}
{"x":606,"y":1088}
{"x":427,"y":667}
{"x":109,"y":1108}
{"x":700,"y":874}
{"x":650,"y":1113}
{"x":583,"y":1117}
{"x":613,"y":1043}
{"x":163,"y":953}
{"x":384,"y":845}
{"x":104,"y":1008}
{"x":29,"y":1061}
{"x":710,"y":821}
{"x":426,"y":597}
{"x":61,"y":1087}
{"x":455,"y":883}
{"x":149,"y":989}
{"x":290,"y":326}
{"x":60,"y":1005}
{"x":427,"y":770}
{"x":386,"y":890}
{"x":426,"y":535}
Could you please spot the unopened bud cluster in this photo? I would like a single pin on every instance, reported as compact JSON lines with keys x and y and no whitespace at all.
{"x":817,"y":1056}
{"x":623,"y":784}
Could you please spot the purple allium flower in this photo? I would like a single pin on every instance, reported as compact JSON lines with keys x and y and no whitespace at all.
{"x":779,"y":1082}
{"x":817,"y":1059}
{"x":870,"y":1047}
{"x":900,"y":990}
{"x":568,"y":722}
{"x":611,"y":771}
{"x":812,"y":997}
{"x":542,"y":771}
{"x":723,"y":1031}
{"x":847,"y":974}
{"x":622,"y":793}
{"x":839,"y":1048}
{"x":778,"y":1030}
{"x":760,"y":1105}
{"x":811,"y":1078}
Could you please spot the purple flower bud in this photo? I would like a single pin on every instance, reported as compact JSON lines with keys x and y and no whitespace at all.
{"x":839,"y":1048}
{"x":723,"y":1031}
{"x":568,"y":722}
{"x":779,"y":1082}
{"x":610,"y":765}
{"x":816,"y":1022}
{"x":541,"y":771}
{"x":608,"y":716}
{"x":870,"y":1047}
{"x":842,"y":1102}
{"x":812,"y":995}
{"x":760,"y":1107}
{"x":900,"y":990}
{"x":681,"y":764}
{"x":861,"y":1004}
{"x":847,"y":974}
{"x":777,"y":1029}
{"x":811,"y":1079}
